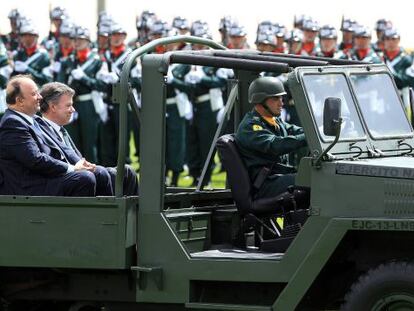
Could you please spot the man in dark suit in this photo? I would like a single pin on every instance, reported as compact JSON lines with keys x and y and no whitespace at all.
{"x":30,"y":162}
{"x":56,"y":107}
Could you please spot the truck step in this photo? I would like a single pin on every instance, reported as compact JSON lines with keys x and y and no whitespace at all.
{"x":224,"y":306}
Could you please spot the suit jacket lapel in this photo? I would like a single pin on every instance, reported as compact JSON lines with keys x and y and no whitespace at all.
{"x":36,"y":136}
{"x":42,"y":139}
{"x":56,"y":139}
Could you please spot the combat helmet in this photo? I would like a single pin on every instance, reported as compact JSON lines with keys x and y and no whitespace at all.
{"x":266,"y":37}
{"x":180,"y":23}
{"x":82,"y":33}
{"x":58,"y":13}
{"x":263,"y":88}
{"x":328,"y":32}
{"x":67,"y":28}
{"x":28,"y":27}
{"x":392,"y":33}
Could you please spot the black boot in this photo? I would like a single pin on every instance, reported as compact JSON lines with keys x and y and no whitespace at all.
{"x":174,"y":179}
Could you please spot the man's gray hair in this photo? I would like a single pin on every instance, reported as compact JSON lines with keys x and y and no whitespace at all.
{"x":51,"y":93}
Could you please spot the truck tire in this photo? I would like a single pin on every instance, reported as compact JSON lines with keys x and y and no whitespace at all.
{"x":388,"y":287}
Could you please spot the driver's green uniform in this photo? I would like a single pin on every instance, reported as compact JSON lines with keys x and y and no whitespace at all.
{"x":262,"y":144}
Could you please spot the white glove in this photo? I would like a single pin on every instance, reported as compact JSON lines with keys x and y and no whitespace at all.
{"x":170,"y":77}
{"x":49,"y":44}
{"x":193,"y":77}
{"x":77,"y":74}
{"x":48,"y":71}
{"x":6,"y":71}
{"x":136,"y":72}
{"x":103,"y":114}
{"x":20,"y":66}
{"x":220,"y":115}
{"x":56,"y":66}
{"x":224,"y":73}
{"x":189,"y":115}
{"x":111,"y":78}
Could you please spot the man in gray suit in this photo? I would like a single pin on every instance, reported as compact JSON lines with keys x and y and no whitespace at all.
{"x":56,"y":107}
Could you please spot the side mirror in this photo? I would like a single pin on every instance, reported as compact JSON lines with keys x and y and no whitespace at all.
{"x":331,"y":116}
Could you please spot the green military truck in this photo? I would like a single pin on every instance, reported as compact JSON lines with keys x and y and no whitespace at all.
{"x":345,"y":240}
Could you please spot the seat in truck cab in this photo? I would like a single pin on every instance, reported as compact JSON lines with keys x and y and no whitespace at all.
{"x":291,"y":205}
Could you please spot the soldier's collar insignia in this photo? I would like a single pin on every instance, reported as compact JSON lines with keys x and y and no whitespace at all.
{"x":271,"y":121}
{"x":257,"y":127}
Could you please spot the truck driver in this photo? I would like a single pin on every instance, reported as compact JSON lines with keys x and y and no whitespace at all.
{"x":264,"y":140}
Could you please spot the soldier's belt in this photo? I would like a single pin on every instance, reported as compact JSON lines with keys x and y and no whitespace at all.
{"x":203,"y":98}
{"x":83,"y":97}
{"x":171,"y":101}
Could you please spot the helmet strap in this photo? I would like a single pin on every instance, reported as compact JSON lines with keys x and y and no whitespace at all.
{"x":266,"y":107}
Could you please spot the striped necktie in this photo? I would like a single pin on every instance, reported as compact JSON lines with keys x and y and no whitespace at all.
{"x":66,"y":138}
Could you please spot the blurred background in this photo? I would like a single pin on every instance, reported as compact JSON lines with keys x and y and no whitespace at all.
{"x":248,"y":14}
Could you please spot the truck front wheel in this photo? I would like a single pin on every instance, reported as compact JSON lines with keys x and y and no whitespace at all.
{"x":389,"y":287}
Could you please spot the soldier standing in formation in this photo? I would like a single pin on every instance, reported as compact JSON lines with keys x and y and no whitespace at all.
{"x":266,"y":41}
{"x":399,"y":62}
{"x":30,"y":58}
{"x":5,"y":71}
{"x":57,"y":16}
{"x":182,"y":26}
{"x":178,"y":107}
{"x":64,"y":47}
{"x":347,"y":29}
{"x":11,"y":40}
{"x":362,"y":49}
{"x":295,"y":40}
{"x":380,"y":26}
{"x":205,"y":84}
{"x":79,"y":72}
{"x":327,"y":38}
{"x":310,"y":33}
{"x":115,"y":58}
{"x":237,"y":37}
{"x":104,"y":29}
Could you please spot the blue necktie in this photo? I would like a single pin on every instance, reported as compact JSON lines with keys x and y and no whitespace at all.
{"x":45,"y":137}
{"x":68,"y":141}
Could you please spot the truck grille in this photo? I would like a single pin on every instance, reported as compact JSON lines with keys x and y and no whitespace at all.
{"x":399,"y":198}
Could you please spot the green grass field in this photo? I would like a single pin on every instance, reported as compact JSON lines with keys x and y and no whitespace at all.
{"x":218,"y":179}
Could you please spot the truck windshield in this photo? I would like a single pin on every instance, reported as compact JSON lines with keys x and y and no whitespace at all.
{"x":380,"y":105}
{"x":318,"y":88}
